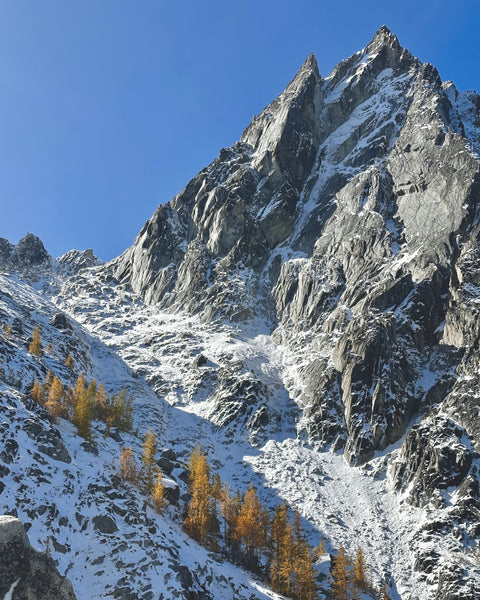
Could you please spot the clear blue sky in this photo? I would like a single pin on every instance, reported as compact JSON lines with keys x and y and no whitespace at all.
{"x":109,"y":107}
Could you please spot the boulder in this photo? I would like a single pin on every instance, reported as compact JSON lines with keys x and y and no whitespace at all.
{"x":25,"y":573}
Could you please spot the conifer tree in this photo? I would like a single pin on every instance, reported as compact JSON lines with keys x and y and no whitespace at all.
{"x":217,"y":487}
{"x":36,"y":343}
{"x":158,"y":494}
{"x":359,"y":571}
{"x":68,"y":403}
{"x":281,"y":536}
{"x":69,"y":362}
{"x":303,"y":572}
{"x":229,"y":510}
{"x":122,"y":411}
{"x":8,"y":331}
{"x":37,"y":392}
{"x":341,"y":580}
{"x":199,"y":520}
{"x":148,"y":460}
{"x":128,"y":465}
{"x":100,"y":405}
{"x":54,"y":399}
{"x":249,"y":528}
{"x":82,"y":414}
{"x":46,"y":385}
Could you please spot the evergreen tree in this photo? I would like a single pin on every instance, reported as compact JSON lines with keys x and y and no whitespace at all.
{"x":36,"y":343}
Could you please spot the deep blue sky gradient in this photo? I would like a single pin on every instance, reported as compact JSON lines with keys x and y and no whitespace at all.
{"x":109,"y":107}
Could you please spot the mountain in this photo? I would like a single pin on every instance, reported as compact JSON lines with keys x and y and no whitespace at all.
{"x":307,"y":308}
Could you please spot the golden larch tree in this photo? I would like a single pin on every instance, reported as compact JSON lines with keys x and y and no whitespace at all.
{"x":69,"y":362}
{"x":36,"y":343}
{"x":341,"y":576}
{"x":249,"y":529}
{"x":281,"y":539}
{"x":82,"y":413}
{"x":148,"y":460}
{"x":359,"y":571}
{"x":53,"y":402}
{"x":128,"y":465}
{"x":37,"y":392}
{"x":158,"y":494}
{"x":303,"y":572}
{"x":200,"y":519}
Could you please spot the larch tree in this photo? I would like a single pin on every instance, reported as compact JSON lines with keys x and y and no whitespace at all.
{"x":282,"y":553}
{"x":37,"y":392}
{"x":82,"y":413}
{"x":304,"y":574}
{"x":341,"y":579}
{"x":249,"y":529}
{"x":201,"y":520}
{"x":128,"y":465}
{"x":69,"y":362}
{"x":359,"y":571}
{"x":53,"y":402}
{"x":8,"y":331}
{"x":36,"y":343}
{"x":148,"y":460}
{"x":158,"y":494}
{"x":229,"y":509}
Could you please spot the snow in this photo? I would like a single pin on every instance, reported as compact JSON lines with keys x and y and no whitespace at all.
{"x":9,"y":594}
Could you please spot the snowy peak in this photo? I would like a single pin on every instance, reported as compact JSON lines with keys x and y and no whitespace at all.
{"x":27,"y":254}
{"x":295,"y":113}
{"x":383,"y":38}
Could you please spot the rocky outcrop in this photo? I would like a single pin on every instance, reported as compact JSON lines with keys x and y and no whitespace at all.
{"x":25,"y":573}
{"x":74,"y":261}
{"x":27,"y":254}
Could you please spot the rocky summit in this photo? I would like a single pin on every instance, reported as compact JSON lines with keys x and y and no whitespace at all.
{"x":308,"y":309}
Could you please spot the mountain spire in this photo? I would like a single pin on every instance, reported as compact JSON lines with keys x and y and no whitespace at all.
{"x":383,"y":38}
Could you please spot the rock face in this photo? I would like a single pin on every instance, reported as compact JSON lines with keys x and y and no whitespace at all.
{"x":24,"y":572}
{"x":27,"y":254}
{"x":344,"y":211}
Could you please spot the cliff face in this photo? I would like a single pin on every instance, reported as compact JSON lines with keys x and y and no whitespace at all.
{"x":347,"y":209}
{"x":25,"y":573}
